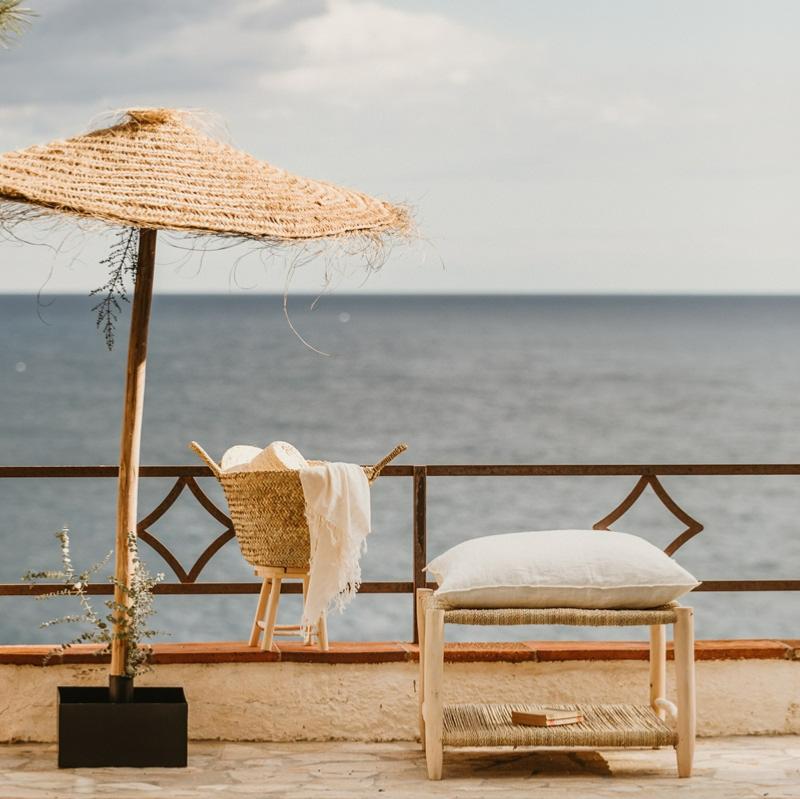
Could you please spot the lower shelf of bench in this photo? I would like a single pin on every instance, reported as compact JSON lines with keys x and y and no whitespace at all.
{"x":603,"y":725}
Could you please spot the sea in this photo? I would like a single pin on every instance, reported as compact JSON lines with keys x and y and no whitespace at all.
{"x":461,"y":379}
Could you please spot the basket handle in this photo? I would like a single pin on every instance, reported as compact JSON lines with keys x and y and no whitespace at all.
{"x":206,"y":457}
{"x":374,"y":472}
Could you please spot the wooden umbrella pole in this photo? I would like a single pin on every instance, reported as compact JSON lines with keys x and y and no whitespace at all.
{"x":130,"y":440}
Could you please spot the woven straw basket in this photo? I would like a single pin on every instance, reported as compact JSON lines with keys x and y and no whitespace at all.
{"x":268,"y":511}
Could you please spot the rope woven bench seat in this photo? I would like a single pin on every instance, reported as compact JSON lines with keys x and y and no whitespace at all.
{"x":568,"y":616}
{"x":603,"y":725}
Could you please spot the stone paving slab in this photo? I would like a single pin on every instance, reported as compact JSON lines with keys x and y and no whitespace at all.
{"x":727,"y":768}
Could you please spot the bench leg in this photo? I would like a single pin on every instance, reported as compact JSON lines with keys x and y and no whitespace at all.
{"x":684,"y":678}
{"x":658,"y":666}
{"x":432,"y":707}
{"x":422,"y":595}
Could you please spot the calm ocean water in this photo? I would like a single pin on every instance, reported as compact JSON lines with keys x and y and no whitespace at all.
{"x":462,"y":380}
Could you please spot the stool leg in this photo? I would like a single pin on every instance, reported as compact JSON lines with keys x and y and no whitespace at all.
{"x":322,"y":632}
{"x":255,"y":632}
{"x":422,"y":595}
{"x":271,"y":614}
{"x":307,"y":632}
{"x":684,"y":679}
{"x":432,"y":707}
{"x":321,"y":626}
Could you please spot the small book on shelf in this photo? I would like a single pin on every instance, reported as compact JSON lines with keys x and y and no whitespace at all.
{"x":546,"y":717}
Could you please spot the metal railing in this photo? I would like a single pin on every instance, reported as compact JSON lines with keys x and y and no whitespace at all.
{"x":186,"y":478}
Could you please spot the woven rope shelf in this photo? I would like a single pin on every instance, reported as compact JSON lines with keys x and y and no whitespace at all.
{"x":603,"y":725}
{"x":569,"y":616}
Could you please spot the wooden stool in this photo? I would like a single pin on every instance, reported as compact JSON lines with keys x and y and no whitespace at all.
{"x":267,"y":610}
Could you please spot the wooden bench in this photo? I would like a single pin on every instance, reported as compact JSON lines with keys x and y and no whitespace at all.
{"x":617,"y":725}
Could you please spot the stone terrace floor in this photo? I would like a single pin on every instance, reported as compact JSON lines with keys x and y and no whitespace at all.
{"x":724,"y":767}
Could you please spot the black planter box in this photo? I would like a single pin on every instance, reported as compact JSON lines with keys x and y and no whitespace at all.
{"x":94,"y":732}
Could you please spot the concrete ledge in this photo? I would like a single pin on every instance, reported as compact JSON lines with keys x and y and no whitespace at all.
{"x":397,"y":651}
{"x":745,"y":688}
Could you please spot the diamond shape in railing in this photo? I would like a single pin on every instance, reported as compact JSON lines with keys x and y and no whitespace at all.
{"x":169,"y":500}
{"x":693,"y":527}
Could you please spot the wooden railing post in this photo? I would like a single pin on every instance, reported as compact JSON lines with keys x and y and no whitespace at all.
{"x":420,"y":538}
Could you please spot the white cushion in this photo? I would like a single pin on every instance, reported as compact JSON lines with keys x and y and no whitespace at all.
{"x":237,"y":456}
{"x":559,"y":569}
{"x":279,"y":455}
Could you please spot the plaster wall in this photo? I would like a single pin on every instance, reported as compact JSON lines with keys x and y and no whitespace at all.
{"x":377,"y":702}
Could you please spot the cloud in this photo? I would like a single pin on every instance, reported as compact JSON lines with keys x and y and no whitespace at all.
{"x":78,"y":50}
{"x":357,"y":49}
{"x":80,"y":57}
{"x":521,"y":130}
{"x":187,"y":52}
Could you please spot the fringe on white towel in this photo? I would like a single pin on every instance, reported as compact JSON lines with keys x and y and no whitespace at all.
{"x":338,"y":514}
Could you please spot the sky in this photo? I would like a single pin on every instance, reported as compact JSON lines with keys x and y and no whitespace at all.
{"x":545,"y":146}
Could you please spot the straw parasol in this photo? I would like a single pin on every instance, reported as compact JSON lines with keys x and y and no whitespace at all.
{"x":155,"y":170}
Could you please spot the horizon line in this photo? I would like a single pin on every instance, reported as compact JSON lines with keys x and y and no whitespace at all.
{"x":443,"y":294}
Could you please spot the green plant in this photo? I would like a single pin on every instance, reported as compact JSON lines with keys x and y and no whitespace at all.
{"x":134,"y":613}
{"x":121,"y":263}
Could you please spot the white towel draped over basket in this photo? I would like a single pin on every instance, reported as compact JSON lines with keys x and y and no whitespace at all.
{"x":338,"y":516}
